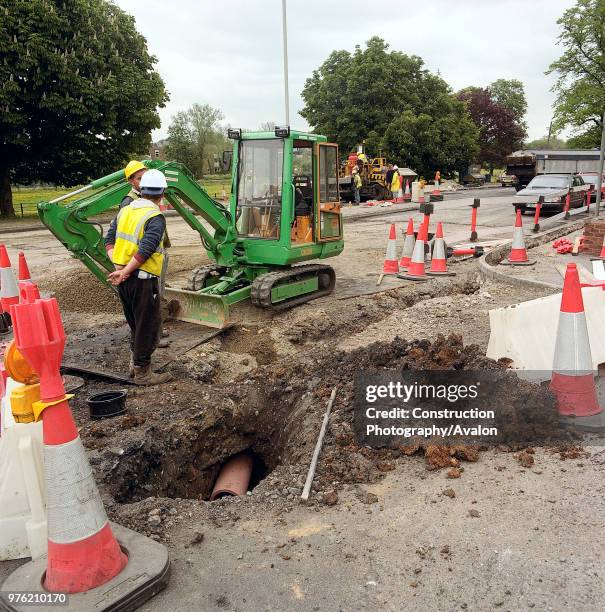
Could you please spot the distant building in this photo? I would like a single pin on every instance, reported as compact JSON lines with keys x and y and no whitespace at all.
{"x":156,"y":150}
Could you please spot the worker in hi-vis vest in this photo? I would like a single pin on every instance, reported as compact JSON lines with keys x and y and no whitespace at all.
{"x":134,"y":173}
{"x":135,"y":245}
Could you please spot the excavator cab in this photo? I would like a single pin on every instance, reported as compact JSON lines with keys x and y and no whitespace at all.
{"x":285,"y":194}
{"x":284,"y":210}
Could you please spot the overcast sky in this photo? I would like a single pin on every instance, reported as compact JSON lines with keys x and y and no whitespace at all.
{"x":229,"y":54}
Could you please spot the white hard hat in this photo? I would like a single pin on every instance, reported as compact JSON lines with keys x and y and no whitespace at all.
{"x":153,"y":183}
{"x":394,"y":168}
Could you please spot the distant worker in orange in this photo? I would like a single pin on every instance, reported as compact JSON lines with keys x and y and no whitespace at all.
{"x":352,"y":160}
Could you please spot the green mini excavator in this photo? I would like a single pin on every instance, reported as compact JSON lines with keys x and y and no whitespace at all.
{"x":284,"y":209}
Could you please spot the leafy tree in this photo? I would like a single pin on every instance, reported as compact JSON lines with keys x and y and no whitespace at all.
{"x":499,"y":130}
{"x":510,"y":93}
{"x":194,"y":138}
{"x":364,"y":95}
{"x":555,"y":144}
{"x":79,"y":92}
{"x":580,"y":85}
{"x":267,"y":126}
{"x":446,"y":141}
{"x":590,"y":139}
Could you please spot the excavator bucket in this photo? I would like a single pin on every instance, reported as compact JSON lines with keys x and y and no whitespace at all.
{"x":200,"y":308}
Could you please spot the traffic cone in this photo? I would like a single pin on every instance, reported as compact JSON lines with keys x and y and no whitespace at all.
{"x":518,"y":252}
{"x":391,"y":265}
{"x":408,"y":245}
{"x":438,"y":260}
{"x":82,"y":550}
{"x":416,"y":269}
{"x":24,"y":274}
{"x":9,"y":293}
{"x":572,"y":378}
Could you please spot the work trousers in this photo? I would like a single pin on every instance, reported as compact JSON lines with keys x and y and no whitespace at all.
{"x":140,"y":299}
{"x":357,"y":196}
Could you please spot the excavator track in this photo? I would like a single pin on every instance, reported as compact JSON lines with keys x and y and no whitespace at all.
{"x":262,"y":286}
{"x":198,"y":277}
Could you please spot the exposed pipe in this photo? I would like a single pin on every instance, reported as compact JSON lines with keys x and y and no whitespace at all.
{"x":234,"y":476}
{"x":320,"y":439}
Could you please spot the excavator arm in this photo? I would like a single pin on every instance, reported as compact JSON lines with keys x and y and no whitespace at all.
{"x":73,"y":225}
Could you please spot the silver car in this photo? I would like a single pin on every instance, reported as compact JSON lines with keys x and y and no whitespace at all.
{"x":554,"y":188}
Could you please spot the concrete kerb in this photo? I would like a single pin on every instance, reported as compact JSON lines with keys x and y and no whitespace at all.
{"x":488,"y":264}
{"x":364,"y":213}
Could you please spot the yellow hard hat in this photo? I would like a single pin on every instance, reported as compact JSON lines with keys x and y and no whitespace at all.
{"x":132,"y":167}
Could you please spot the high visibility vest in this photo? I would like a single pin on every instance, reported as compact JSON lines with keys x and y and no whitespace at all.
{"x":130,"y":197}
{"x":130,"y":230}
{"x":395,"y":185}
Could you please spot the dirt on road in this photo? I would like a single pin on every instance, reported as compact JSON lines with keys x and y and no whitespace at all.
{"x":384,"y":528}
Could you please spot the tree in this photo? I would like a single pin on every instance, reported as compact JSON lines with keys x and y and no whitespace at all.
{"x":446,"y":142}
{"x":554,"y":144}
{"x":195,"y":137}
{"x":355,"y":97}
{"x":580,"y":85}
{"x":267,"y":126}
{"x":79,"y":92}
{"x":499,"y":130}
{"x":510,"y":94}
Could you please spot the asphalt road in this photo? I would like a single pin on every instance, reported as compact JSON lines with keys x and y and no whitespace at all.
{"x":495,"y":214}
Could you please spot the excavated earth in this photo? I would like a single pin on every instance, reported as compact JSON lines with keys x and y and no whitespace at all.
{"x":262,"y":387}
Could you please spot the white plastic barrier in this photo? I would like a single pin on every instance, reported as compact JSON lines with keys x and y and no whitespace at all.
{"x":417,"y":191}
{"x":22,"y":495}
{"x":526,"y":332}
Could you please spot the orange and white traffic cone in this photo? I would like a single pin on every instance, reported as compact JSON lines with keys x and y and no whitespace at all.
{"x":438,"y":260}
{"x":24,"y":274}
{"x":518,"y":253}
{"x":416,"y":270}
{"x":391,"y":264}
{"x":82,"y":550}
{"x":408,"y":245}
{"x":572,"y":377}
{"x":9,"y":292}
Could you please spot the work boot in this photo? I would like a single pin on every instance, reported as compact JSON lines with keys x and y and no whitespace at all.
{"x":144,"y":375}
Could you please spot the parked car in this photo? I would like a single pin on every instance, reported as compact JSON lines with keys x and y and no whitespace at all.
{"x":590,"y":178}
{"x":473,"y":179}
{"x":554,"y":188}
{"x":508,"y":180}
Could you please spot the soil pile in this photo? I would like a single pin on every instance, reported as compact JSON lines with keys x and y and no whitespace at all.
{"x":82,"y":292}
{"x":175,"y":439}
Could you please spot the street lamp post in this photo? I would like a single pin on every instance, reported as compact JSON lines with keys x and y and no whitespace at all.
{"x":600,"y":174}
{"x":285,"y":36}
